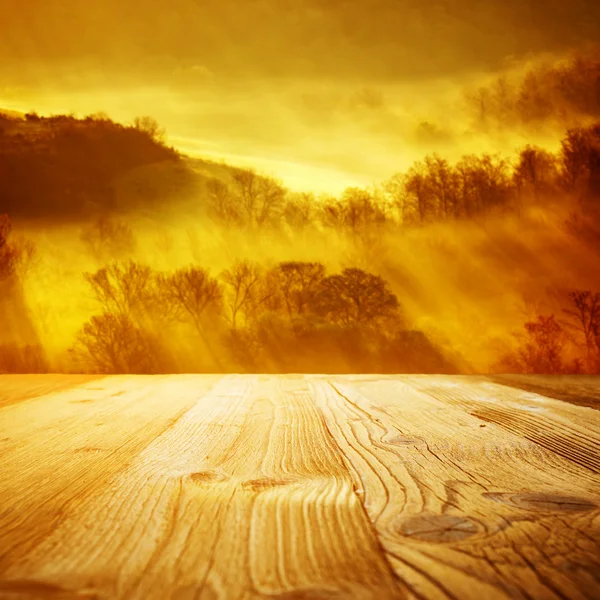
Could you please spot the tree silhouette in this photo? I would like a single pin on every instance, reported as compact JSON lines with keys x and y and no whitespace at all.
{"x":355,"y":297}
{"x":150,"y":126}
{"x":299,"y":211}
{"x":194,"y":296}
{"x":580,"y":158}
{"x":417,"y":193}
{"x":9,"y":253}
{"x":296,"y":283}
{"x":244,"y":293}
{"x":536,"y":171}
{"x":124,"y":289}
{"x":260,"y":198}
{"x":222,"y":204}
{"x":15,"y":256}
{"x":355,"y":212}
{"x":483,"y":184}
{"x":585,"y":315}
{"x":112,"y":343}
{"x":541,"y":351}
{"x":442,"y":183}
{"x":108,"y":238}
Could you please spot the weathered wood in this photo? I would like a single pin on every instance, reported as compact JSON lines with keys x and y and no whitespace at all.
{"x":463,"y":510}
{"x":58,"y":450}
{"x":582,"y":390}
{"x":17,"y":388}
{"x":295,"y":487}
{"x":569,"y":431}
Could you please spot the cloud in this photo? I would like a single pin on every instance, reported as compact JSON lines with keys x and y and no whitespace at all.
{"x":370,"y":39}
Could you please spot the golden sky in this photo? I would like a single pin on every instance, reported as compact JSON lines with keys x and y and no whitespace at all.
{"x":323,"y":93}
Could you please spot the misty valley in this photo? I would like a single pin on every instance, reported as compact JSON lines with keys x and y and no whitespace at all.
{"x":119,"y":254}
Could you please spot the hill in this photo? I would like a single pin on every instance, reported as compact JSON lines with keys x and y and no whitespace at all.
{"x":65,"y":167}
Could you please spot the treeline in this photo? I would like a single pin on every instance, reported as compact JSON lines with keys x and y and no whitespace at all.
{"x":547,"y":94}
{"x":291,"y":317}
{"x":432,"y":190}
{"x":64,"y":167}
{"x":567,"y":343}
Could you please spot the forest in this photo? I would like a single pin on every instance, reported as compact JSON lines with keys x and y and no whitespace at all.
{"x":119,"y":254}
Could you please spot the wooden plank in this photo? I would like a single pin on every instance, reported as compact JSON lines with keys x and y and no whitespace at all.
{"x":17,"y":388}
{"x":245,"y":495}
{"x":465,"y":508}
{"x":59,"y":449}
{"x":582,"y":390}
{"x":572,"y":432}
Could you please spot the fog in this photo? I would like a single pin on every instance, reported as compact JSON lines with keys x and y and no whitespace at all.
{"x":319,"y":97}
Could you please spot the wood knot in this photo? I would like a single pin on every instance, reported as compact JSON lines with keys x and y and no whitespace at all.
{"x":438,"y":528}
{"x":541,"y":501}
{"x":207,"y":477}
{"x":264,"y":483}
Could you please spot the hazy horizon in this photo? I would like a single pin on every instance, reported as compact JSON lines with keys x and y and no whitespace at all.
{"x":323,"y":95}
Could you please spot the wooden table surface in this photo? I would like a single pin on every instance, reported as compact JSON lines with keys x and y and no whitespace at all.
{"x":299,"y":487}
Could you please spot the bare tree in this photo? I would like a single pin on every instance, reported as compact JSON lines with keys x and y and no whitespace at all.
{"x":193,"y":295}
{"x":482,"y":183}
{"x":112,"y":343}
{"x":10,"y":253}
{"x":125,"y":289}
{"x":108,"y":238}
{"x":356,"y":212}
{"x":355,"y":297}
{"x":244,"y":293}
{"x":296,"y":283}
{"x":441,"y":181}
{"x":401,"y":199}
{"x":260,"y":198}
{"x":580,"y":161}
{"x":541,"y":350}
{"x":418,"y":192}
{"x":585,"y":318}
{"x":222,"y":204}
{"x":536,"y":171}
{"x":299,"y":211}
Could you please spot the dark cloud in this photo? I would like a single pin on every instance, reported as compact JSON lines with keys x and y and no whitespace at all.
{"x":383,"y":39}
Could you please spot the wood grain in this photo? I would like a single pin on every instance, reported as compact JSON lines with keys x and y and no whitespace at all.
{"x":17,"y":388}
{"x":464,"y":511}
{"x":582,"y":390}
{"x":296,"y":487}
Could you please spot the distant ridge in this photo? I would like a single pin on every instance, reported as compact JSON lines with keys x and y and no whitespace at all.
{"x":15,"y":114}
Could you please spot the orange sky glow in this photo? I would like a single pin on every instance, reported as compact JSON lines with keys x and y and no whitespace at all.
{"x":320,"y":94}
